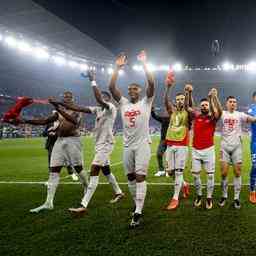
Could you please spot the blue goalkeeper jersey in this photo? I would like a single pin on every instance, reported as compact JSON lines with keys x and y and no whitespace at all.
{"x":252,"y":112}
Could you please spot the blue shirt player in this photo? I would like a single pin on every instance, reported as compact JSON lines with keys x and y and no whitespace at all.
{"x":252,"y":112}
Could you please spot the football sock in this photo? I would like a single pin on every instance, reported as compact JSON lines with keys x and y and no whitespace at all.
{"x":83,"y":176}
{"x":53,"y":182}
{"x":237,"y":187}
{"x":132,"y":189}
{"x":178,"y":184}
{"x":112,"y":180}
{"x":197,"y":183}
{"x":224,"y":185}
{"x":210,"y":184}
{"x":94,"y":180}
{"x":141,"y":191}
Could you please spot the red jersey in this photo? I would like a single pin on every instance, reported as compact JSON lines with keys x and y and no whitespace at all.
{"x":203,"y":129}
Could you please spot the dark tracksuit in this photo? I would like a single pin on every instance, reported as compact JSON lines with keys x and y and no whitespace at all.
{"x":162,"y":145}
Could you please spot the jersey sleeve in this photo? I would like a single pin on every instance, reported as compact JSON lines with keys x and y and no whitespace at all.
{"x":93,"y":110}
{"x":244,"y":117}
{"x":123,"y":101}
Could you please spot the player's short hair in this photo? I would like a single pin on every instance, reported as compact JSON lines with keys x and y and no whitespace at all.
{"x":204,"y":99}
{"x":106,"y":94}
{"x":179,"y":94}
{"x":254,"y":94}
{"x":68,"y":92}
{"x":134,"y":84}
{"x":230,"y":98}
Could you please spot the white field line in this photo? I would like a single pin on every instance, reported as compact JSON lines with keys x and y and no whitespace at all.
{"x":101,"y":183}
{"x":115,"y":164}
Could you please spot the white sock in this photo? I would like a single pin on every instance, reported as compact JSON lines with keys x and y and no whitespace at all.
{"x":112,"y":180}
{"x":94,"y":180}
{"x":141,"y":191}
{"x":197,"y":183}
{"x":53,"y":182}
{"x":132,"y":189}
{"x":224,"y":185}
{"x":178,"y":184}
{"x":237,"y":187}
{"x":83,"y":177}
{"x":210,"y":184}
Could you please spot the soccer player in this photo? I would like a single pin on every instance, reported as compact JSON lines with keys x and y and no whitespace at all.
{"x":177,"y":140}
{"x":203,"y":152}
{"x":104,"y":143}
{"x":66,"y":149}
{"x":164,"y":121}
{"x":252,"y":112}
{"x":51,"y":137}
{"x":135,"y":113}
{"x":231,"y":148}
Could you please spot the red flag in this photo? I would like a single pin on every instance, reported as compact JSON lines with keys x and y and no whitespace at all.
{"x":14,"y":112}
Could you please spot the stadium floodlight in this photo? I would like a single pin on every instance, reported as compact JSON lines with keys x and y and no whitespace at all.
{"x":164,"y":67}
{"x":84,"y":67}
{"x":137,"y":68}
{"x":72,"y":64}
{"x":24,"y":46}
{"x":110,"y":71}
{"x":121,"y":72}
{"x":177,"y":67}
{"x":41,"y":53}
{"x":251,"y":66}
{"x":59,"y":60}
{"x":102,"y":70}
{"x":151,"y":67}
{"x":1,"y":37}
{"x":10,"y":41}
{"x":227,"y":66}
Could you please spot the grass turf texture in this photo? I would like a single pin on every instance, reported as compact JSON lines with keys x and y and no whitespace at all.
{"x":104,"y":231}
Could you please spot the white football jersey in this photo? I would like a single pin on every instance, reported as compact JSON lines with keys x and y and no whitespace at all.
{"x":105,"y":119}
{"x":232,"y":126}
{"x":135,"y":119}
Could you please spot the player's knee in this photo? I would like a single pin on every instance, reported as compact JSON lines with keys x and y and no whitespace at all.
{"x":131,"y":176}
{"x":106,"y":170}
{"x":210,"y":175}
{"x":140,"y":178}
{"x":195,"y":174}
{"x":78,"y":168}
{"x":56,"y":169}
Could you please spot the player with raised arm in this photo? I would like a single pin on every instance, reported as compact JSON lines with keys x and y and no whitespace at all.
{"x":203,"y":152}
{"x":104,"y":143}
{"x":66,"y":150}
{"x":177,"y":140}
{"x":231,"y":148}
{"x":252,"y":112}
{"x":135,"y":113}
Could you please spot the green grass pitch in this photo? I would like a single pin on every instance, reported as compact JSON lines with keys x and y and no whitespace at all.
{"x":104,"y":231}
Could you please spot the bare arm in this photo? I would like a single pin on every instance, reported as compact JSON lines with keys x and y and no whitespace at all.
{"x":189,"y":102}
{"x":73,"y":107}
{"x":168,"y":104}
{"x":116,"y":93}
{"x":155,"y":116}
{"x":150,"y":90}
{"x":215,"y":104}
{"x":73,"y":118}
{"x":41,"y":121}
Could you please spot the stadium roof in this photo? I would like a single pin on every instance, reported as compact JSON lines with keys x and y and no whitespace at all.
{"x":32,"y":20}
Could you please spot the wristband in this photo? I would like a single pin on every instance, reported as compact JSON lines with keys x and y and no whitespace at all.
{"x":93,"y":83}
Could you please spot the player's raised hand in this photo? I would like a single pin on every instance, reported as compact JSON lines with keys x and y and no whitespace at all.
{"x":188,"y":88}
{"x":170,"y":79}
{"x":213,"y":92}
{"x":121,"y":60}
{"x":142,"y":57}
{"x":91,"y":75}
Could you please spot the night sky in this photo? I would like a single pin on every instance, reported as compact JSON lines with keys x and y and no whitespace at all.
{"x":168,"y":30}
